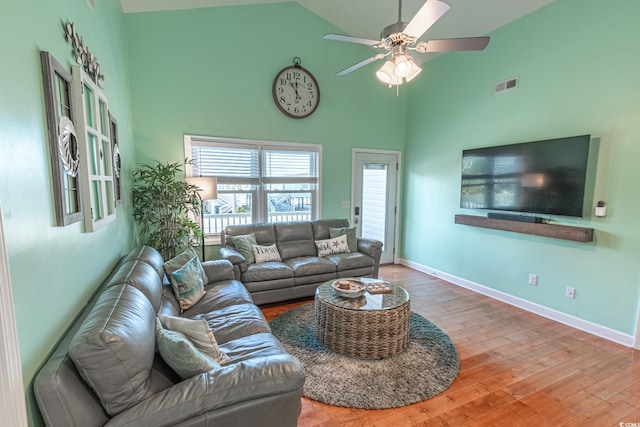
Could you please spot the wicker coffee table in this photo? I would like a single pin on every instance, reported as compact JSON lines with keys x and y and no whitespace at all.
{"x":373,"y":326}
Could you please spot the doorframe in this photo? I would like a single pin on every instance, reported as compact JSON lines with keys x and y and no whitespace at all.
{"x":12,"y":394}
{"x":398,"y":210}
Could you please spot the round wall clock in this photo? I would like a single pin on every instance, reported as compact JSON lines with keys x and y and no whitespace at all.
{"x":296,"y":91}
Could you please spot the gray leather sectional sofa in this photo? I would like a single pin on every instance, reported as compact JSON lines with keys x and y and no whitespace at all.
{"x":260,"y":386}
{"x":301,"y":269}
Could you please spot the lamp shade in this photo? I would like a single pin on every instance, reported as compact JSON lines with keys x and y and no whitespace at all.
{"x":402,"y":65}
{"x":207,"y":186}
{"x":414,"y":70}
{"x":385,"y":73}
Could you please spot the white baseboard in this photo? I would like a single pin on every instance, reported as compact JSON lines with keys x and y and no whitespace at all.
{"x":558,"y":316}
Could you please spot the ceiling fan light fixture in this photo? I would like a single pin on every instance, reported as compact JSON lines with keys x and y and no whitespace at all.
{"x":386,"y":73}
{"x":402,"y":65}
{"x":413,"y":72}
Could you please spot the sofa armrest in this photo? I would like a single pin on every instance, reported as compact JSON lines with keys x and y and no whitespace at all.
{"x":369,"y":246}
{"x":218,"y":270}
{"x":238,"y":260}
{"x":235,"y":257}
{"x":232,"y":384}
{"x":373,"y":248}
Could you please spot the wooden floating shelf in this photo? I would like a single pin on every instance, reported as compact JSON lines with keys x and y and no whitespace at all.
{"x":556,"y":231}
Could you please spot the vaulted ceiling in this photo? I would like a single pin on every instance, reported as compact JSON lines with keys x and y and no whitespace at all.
{"x":366,"y":18}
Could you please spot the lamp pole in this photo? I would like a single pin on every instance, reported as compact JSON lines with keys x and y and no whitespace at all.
{"x":206,"y":189}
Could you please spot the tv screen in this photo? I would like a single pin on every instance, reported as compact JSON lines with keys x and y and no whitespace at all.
{"x":540,"y":177}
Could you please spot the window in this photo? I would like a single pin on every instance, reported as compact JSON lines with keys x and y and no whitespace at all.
{"x":63,"y":144}
{"x":258,"y":181}
{"x":96,"y":159}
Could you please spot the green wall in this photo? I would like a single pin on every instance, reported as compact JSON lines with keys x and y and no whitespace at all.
{"x":578,"y":72}
{"x":54,"y":270}
{"x":209,"y":72}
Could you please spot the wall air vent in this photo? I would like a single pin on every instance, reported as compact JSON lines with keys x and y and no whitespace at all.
{"x":507,"y":85}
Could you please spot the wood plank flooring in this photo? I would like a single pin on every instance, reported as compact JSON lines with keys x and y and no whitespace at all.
{"x":516,"y":368}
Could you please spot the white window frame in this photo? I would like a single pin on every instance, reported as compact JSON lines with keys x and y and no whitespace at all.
{"x":259,"y":202}
{"x":102,"y":196}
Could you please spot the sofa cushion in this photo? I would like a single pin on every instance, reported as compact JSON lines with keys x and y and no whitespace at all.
{"x":235,"y":321}
{"x":114,"y":348}
{"x":321,"y":227}
{"x":187,"y":277}
{"x":198,"y":332}
{"x":219,"y":295}
{"x":265,"y":233}
{"x":310,"y":266}
{"x":181,"y":354}
{"x":142,"y":276}
{"x":148,"y":255}
{"x":295,"y":239}
{"x":243,"y":244}
{"x":265,"y":253}
{"x":253,"y":346}
{"x":267,"y":271}
{"x":350,"y":261}
{"x":337,"y":245}
{"x":350,"y":232}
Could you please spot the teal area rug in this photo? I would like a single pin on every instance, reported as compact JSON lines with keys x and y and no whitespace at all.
{"x":426,"y":368}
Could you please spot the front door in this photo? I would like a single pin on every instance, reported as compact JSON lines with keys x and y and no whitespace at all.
{"x":375,"y":181}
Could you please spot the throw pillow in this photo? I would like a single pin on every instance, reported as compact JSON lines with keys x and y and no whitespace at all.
{"x":350,"y":232}
{"x":243,"y":245}
{"x":336,"y":245}
{"x":199,"y":333}
{"x":265,"y":253}
{"x":181,"y":354}
{"x":187,"y":278}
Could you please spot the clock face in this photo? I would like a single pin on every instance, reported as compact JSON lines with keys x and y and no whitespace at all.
{"x":296,"y":92}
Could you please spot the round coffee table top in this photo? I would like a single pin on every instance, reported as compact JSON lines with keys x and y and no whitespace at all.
{"x":386,"y":301}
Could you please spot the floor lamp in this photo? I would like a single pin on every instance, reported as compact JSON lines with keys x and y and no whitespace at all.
{"x":207,"y":189}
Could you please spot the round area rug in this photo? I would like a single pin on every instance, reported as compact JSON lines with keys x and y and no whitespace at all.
{"x":426,"y":368}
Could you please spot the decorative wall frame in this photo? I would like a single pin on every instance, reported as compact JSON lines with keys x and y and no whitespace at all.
{"x":63,"y":146}
{"x":117,"y":159}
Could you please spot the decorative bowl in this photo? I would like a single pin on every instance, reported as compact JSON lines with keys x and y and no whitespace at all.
{"x":349,"y":288}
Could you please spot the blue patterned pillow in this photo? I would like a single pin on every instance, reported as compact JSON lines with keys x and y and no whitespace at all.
{"x":187,"y":278}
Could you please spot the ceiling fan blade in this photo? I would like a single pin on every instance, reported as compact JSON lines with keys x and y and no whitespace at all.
{"x":360,"y":64}
{"x":340,"y":37}
{"x":448,"y":45}
{"x":429,"y":13}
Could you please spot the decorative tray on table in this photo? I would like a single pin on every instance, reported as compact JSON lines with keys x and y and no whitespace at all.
{"x":379,"y":288}
{"x":349,"y":288}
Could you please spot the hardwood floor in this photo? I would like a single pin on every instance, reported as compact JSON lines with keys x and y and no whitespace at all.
{"x":516,"y":368}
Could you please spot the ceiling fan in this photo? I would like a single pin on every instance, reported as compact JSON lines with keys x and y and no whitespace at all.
{"x":400,"y":37}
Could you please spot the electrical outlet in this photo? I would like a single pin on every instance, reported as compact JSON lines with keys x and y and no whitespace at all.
{"x":570,"y":293}
{"x":533,"y":279}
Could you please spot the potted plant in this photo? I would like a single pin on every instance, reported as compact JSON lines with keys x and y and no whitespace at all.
{"x":164,"y":207}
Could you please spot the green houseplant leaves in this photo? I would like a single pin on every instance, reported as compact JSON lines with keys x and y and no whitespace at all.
{"x":164,"y":207}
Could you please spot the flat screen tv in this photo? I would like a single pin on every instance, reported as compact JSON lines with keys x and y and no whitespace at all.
{"x":540,"y":177}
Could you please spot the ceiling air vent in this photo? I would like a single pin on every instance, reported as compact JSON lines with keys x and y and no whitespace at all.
{"x":507,"y":85}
